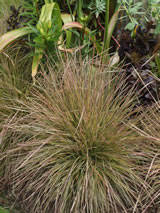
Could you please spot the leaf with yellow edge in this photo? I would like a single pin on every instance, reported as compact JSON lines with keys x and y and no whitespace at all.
{"x":74,"y":25}
{"x":35,"y":63}
{"x":111,"y":25}
{"x":50,"y":17}
{"x":67,"y":18}
{"x":48,"y":1}
{"x":9,"y":37}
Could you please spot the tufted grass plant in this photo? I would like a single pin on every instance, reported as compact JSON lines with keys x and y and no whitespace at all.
{"x":14,"y":85}
{"x":15,"y":79}
{"x":73,"y":149}
{"x":150,"y":129}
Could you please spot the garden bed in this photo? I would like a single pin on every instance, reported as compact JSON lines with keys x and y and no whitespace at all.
{"x":80,"y":107}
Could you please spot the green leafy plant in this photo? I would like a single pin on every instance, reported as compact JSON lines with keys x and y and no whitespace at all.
{"x":100,"y":7}
{"x":154,"y":8}
{"x":46,"y":32}
{"x":133,"y":11}
{"x":45,"y":27}
{"x":109,"y":26}
{"x":138,"y":16}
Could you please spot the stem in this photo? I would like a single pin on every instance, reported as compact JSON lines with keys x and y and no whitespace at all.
{"x":80,"y":13}
{"x":127,"y":12}
{"x":70,"y":10}
{"x":118,"y":44}
{"x":36,"y":6}
{"x":106,"y":45}
{"x":80,"y":17}
{"x":48,"y":1}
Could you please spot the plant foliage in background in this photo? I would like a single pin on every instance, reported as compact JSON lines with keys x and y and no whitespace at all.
{"x":47,"y":30}
{"x":132,"y":9}
{"x":137,"y":13}
{"x":154,"y":11}
{"x":44,"y":23}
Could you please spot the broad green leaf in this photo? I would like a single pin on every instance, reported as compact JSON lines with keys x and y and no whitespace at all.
{"x":67,"y":18}
{"x":8,"y":37}
{"x":49,"y":18}
{"x":50,"y":21}
{"x":130,"y":26}
{"x":79,"y":26}
{"x":35,"y":63}
{"x":157,"y":30}
{"x":48,"y":1}
{"x":3,"y":210}
{"x":111,"y":25}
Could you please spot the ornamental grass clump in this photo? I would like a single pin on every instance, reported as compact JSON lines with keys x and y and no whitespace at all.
{"x":14,"y":85}
{"x":72,"y":147}
{"x":150,"y":122}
